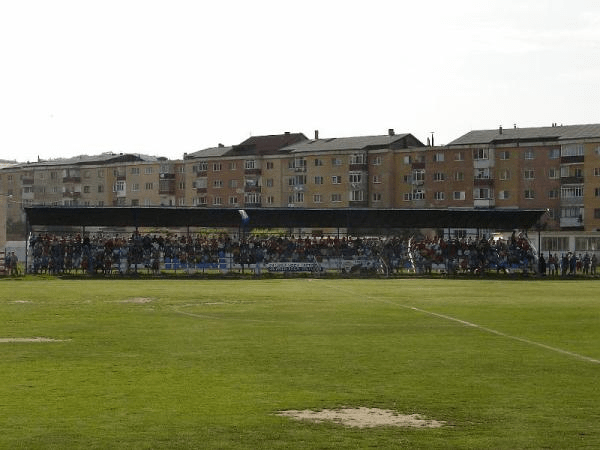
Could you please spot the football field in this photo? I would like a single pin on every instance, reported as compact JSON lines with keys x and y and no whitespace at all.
{"x":299,"y":363}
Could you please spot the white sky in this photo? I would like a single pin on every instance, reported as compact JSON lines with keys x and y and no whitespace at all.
{"x":168,"y":77}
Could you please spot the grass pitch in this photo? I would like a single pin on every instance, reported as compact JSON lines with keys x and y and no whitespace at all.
{"x":209,"y":364}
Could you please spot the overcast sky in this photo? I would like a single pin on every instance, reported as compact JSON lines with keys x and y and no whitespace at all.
{"x":168,"y":77}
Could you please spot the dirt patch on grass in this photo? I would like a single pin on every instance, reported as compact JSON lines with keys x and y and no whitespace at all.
{"x":29,"y":339}
{"x":363,"y":418}
{"x":137,"y":300}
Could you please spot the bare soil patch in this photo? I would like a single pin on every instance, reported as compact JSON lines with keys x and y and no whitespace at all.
{"x":137,"y":300}
{"x":363,"y":418}
{"x":29,"y":339}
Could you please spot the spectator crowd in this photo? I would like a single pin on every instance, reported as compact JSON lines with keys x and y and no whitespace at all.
{"x":125,"y":253}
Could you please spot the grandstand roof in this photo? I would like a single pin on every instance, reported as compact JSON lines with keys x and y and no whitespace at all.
{"x":496,"y":219}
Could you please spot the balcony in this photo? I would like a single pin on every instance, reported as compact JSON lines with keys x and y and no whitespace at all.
{"x":571,"y":180}
{"x":484,"y":203}
{"x":572,"y":159}
{"x":27,"y":181}
{"x":571,"y":222}
{"x":73,"y":179}
{"x":201,"y":190}
{"x":418,"y":166}
{"x":483,"y":182}
{"x":254,"y":171}
{"x":361,"y":167}
{"x":251,"y":188}
{"x":253,"y":205}
{"x":71,"y":194}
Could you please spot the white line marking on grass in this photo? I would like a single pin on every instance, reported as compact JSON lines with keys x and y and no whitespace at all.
{"x":479,"y":327}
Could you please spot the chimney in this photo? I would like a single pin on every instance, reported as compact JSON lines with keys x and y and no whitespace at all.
{"x":316,"y":135}
{"x":391,"y":132}
{"x":500,"y":129}
{"x":221,"y":145}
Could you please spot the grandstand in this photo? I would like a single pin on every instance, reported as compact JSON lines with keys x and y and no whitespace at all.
{"x":155,"y":240}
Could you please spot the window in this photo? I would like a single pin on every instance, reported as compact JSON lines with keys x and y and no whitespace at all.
{"x":439,"y":195}
{"x":438,"y":157}
{"x":233,"y":165}
{"x":149,"y":186}
{"x":459,"y":156}
{"x":553,"y":193}
{"x":269,"y":182}
{"x":252,"y":198}
{"x":249,"y":164}
{"x":119,"y":186}
{"x":86,"y":190}
{"x":418,"y":175}
{"x":458,"y":195}
{"x":482,"y":194}
{"x":319,"y":179}
{"x":135,"y":187}
{"x":505,"y":174}
{"x":377,"y":161}
{"x":571,"y":192}
{"x":200,"y":201}
{"x":529,"y":174}
{"x":202,"y":167}
{"x":217,"y":184}
{"x":376,"y":196}
{"x":355,"y":178}
{"x":555,"y":244}
{"x":317,"y":198}
{"x":217,"y":200}
{"x":336,"y":179}
{"x":233,"y":200}
{"x":358,"y":158}
{"x":597,"y":171}
{"x":459,"y":176}
{"x":504,"y":155}
{"x":270,"y":200}
{"x":336,"y":161}
{"x":182,"y":185}
{"x":148,"y":170}
{"x":529,"y":154}
{"x":376,"y":179}
{"x":357,"y":196}
{"x":100,"y":188}
{"x":217,"y":167}
{"x":297,"y":180}
{"x":554,"y":153}
{"x":318,"y":162}
{"x":407,"y":159}
{"x":529,"y":194}
{"x":553,"y":173}
{"x":570,"y":212}
{"x":503,"y":195}
{"x":336,"y":198}
{"x":481,"y":153}
{"x":270,"y":165}
{"x":439,"y":176}
{"x":482,"y":174}
{"x":135,"y":202}
{"x":571,"y":150}
{"x":134,"y":171}
{"x":407,"y":196}
{"x":597,"y":213}
{"x":418,"y":194}
{"x":100,"y":174}
{"x":233,"y":183}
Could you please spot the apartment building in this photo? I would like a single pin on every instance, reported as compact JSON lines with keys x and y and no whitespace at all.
{"x":555,"y":168}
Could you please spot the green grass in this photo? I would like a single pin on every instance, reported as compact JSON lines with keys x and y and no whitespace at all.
{"x":208,"y":363}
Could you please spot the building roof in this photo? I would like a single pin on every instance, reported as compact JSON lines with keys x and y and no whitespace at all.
{"x":212,"y":152}
{"x":263,"y":145}
{"x":103,"y":158}
{"x":354,"y":143}
{"x":495,"y":219}
{"x":536,"y":134}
